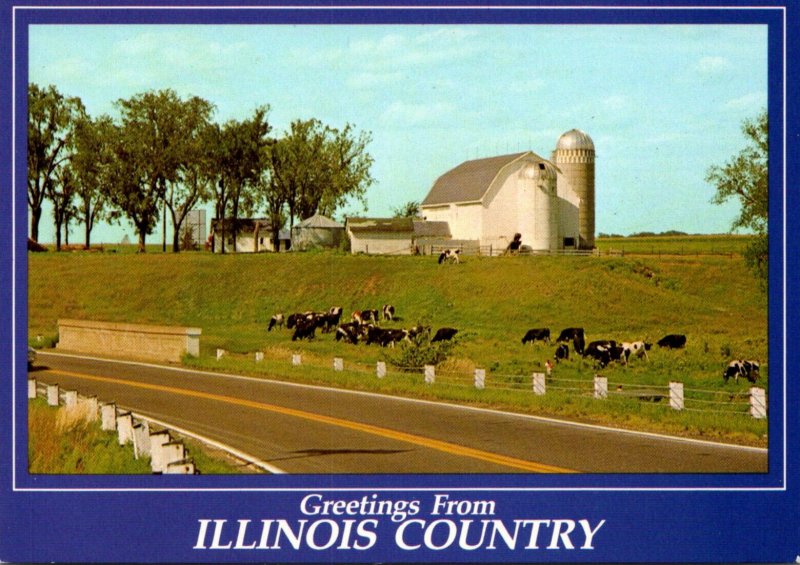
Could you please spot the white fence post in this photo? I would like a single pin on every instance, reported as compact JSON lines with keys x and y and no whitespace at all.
{"x":259,"y":356}
{"x":338,"y":364}
{"x":430,"y":374}
{"x":539,"y":386}
{"x":381,"y":369}
{"x":52,"y":395}
{"x":157,"y":441}
{"x":108,"y":413}
{"x":185,"y":467}
{"x":758,"y":403}
{"x":70,"y":399}
{"x":31,"y":389}
{"x":220,"y":354}
{"x":676,"y":399}
{"x":480,"y":379}
{"x":141,"y":439}
{"x":295,"y":359}
{"x":125,"y":427}
{"x":172,"y":452}
{"x":600,"y":387}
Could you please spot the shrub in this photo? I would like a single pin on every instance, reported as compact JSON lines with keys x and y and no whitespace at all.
{"x":419,"y":352}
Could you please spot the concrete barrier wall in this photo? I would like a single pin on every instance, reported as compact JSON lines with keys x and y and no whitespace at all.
{"x":153,"y":343}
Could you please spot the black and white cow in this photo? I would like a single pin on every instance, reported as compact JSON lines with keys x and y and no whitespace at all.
{"x":537,"y":334}
{"x":276,"y":320}
{"x":742,"y":368}
{"x":388,"y":312}
{"x":672,"y":341}
{"x":444,"y":334}
{"x":348,"y":332}
{"x":604,"y":351}
{"x":569,"y":334}
{"x":304,"y":329}
{"x":636,"y":349}
{"x":562,"y":352}
{"x":364,"y":316}
{"x":450,"y":256}
{"x":415,"y":331}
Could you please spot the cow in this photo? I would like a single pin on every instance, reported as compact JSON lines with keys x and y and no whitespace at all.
{"x":364,"y":316}
{"x":635,"y":348}
{"x":292,"y":319}
{"x":450,"y":256}
{"x":419,"y":330}
{"x":562,"y":353}
{"x":569,"y":334}
{"x":329,"y":320}
{"x":603,"y":351}
{"x":672,"y":341}
{"x":304,"y":329}
{"x":742,"y":368}
{"x":388,"y":312}
{"x":348,"y":332}
{"x":537,"y":334}
{"x":391,"y":336}
{"x":444,"y":334}
{"x":276,"y":320}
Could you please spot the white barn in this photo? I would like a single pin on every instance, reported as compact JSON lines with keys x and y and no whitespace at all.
{"x":550,"y":203}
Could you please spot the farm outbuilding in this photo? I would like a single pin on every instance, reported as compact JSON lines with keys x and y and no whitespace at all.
{"x":550,"y":203}
{"x":317,"y":232}
{"x":396,"y":236}
{"x":253,"y":235}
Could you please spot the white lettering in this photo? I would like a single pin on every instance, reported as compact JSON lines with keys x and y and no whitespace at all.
{"x":557,"y":533}
{"x":399,"y":534}
{"x":589,"y":532}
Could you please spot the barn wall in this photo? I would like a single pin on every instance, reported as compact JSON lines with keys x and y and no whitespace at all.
{"x":568,"y":211}
{"x":502,"y":216}
{"x":381,"y":244}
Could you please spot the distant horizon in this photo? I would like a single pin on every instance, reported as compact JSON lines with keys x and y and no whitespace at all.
{"x":663,"y":103}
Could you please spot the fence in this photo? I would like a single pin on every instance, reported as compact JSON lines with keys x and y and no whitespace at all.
{"x":675,"y":395}
{"x":167,"y":454}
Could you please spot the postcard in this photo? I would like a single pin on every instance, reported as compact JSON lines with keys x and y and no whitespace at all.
{"x":426,"y":282}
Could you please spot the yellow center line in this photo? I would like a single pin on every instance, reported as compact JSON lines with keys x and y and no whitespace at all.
{"x":422,"y":441}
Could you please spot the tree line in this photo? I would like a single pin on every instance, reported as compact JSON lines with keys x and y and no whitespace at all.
{"x":164,"y":155}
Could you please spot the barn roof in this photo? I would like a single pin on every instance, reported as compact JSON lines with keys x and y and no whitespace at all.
{"x":380,"y":225}
{"x":318,"y":221}
{"x":423,"y":228}
{"x":471,"y":180}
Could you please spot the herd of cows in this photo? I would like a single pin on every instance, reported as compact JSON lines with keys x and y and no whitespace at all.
{"x":606,"y":351}
{"x":363,"y":328}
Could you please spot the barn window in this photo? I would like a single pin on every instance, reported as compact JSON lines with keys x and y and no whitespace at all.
{"x":541,"y":166}
{"x":569,"y":242}
{"x":261,"y":241}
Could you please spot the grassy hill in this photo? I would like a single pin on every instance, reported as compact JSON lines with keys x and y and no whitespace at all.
{"x":493,"y":302}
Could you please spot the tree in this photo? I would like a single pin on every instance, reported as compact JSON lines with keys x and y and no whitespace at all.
{"x":152,"y":149}
{"x":746,"y":178}
{"x":191,"y":185}
{"x":89,"y":163}
{"x":408,"y":210}
{"x":316,"y":168}
{"x":236,"y":162}
{"x":60,"y":191}
{"x":51,"y":117}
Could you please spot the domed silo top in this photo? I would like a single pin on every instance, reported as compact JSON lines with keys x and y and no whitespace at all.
{"x":575,"y":139}
{"x":543,"y":170}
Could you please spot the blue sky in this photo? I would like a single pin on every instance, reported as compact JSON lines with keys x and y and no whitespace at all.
{"x":661,"y":102}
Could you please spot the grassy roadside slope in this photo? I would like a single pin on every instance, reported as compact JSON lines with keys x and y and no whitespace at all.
{"x":492,"y":301}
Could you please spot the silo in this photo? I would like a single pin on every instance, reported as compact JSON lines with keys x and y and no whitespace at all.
{"x":574,"y":156}
{"x":537,"y":206}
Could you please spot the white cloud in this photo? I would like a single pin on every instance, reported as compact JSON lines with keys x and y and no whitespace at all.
{"x":754,"y":101}
{"x":712,"y":65}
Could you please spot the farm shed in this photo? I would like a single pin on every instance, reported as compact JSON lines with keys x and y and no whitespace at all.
{"x":253,"y":235}
{"x":395,"y":236}
{"x":317,"y":232}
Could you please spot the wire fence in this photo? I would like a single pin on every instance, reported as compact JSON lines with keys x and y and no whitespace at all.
{"x":752,"y":403}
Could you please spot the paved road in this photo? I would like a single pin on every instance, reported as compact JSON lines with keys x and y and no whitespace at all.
{"x":303,"y":429}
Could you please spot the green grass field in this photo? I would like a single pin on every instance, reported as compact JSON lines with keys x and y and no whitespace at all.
{"x":492,"y":301}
